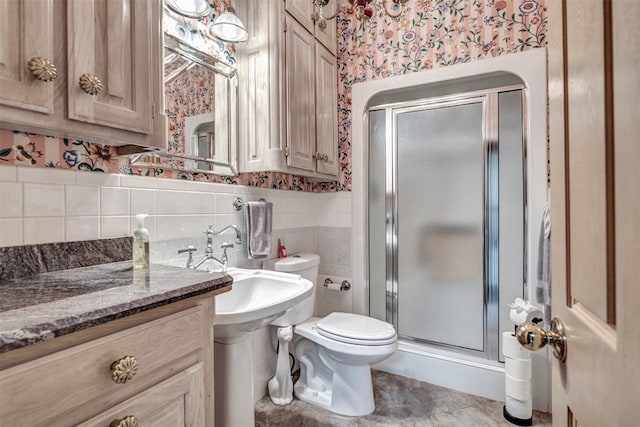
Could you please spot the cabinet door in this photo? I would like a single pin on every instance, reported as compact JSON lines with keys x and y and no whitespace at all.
{"x":306,"y":13}
{"x":325,"y":30}
{"x":111,"y":40}
{"x":177,"y":401}
{"x":299,"y":72}
{"x":303,"y":11}
{"x":326,"y":112}
{"x":26,"y":32}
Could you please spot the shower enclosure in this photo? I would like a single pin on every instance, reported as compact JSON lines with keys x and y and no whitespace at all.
{"x":446,"y":214}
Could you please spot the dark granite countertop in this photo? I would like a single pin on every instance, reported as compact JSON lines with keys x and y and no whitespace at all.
{"x":47,"y":305}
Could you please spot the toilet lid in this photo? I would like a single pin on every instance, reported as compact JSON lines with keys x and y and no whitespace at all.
{"x":356,"y":329}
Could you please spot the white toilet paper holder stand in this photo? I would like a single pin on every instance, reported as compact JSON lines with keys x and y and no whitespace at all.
{"x":344,"y":286}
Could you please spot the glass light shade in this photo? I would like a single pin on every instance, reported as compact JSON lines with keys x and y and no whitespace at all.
{"x":228,"y":27}
{"x":189,"y":8}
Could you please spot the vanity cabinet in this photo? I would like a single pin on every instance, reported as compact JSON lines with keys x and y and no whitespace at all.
{"x":171,"y":348}
{"x":107,"y":85}
{"x":288,"y":94}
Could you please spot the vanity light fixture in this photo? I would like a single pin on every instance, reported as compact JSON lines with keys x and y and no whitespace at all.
{"x":228,"y":27}
{"x":189,"y":8}
{"x":364,"y":9}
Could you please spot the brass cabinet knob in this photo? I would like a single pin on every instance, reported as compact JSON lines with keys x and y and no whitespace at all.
{"x":315,"y":16}
{"x":90,"y":84}
{"x":124,"y":369}
{"x":128,"y":421}
{"x":42,"y":69}
{"x":532,"y":337}
{"x":322,"y":24}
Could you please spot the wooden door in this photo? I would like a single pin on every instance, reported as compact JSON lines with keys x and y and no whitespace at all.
{"x":326,"y":112}
{"x":26,"y":32}
{"x":594,"y":64}
{"x":300,"y":97}
{"x":112,"y":40}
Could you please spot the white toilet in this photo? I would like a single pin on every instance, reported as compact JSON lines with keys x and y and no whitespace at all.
{"x":335,"y":352}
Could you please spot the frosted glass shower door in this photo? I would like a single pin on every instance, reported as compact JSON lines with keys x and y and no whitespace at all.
{"x":440,"y":188}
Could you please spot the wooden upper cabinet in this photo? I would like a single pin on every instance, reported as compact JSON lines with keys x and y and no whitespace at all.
{"x":109,"y":40}
{"x":302,"y":11}
{"x":326,"y":111}
{"x":26,"y":32}
{"x":288,"y":93}
{"x":307,"y":14}
{"x":117,"y":43}
{"x":300,"y":72}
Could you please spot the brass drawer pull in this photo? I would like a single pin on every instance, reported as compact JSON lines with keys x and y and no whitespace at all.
{"x":90,"y":84}
{"x":128,"y":421}
{"x":124,"y":369}
{"x":42,"y":69}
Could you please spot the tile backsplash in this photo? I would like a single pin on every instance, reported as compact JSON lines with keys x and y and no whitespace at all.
{"x":47,"y":205}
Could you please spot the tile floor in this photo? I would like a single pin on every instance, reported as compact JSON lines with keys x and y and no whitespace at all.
{"x":400,"y":401}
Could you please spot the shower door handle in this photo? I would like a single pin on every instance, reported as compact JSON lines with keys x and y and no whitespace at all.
{"x":532,"y":337}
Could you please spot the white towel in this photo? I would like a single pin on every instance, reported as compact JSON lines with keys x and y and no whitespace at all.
{"x":259,"y":229}
{"x":543,"y":287}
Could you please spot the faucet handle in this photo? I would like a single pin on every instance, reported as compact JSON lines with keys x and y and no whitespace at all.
{"x":226,"y":245}
{"x":189,"y":249}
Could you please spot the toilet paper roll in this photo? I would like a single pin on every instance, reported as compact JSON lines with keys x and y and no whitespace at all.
{"x":518,"y":389}
{"x":518,"y":368}
{"x":522,"y":409}
{"x":512,"y":348}
{"x":522,"y":311}
{"x":519,"y":316}
{"x":333,"y":286}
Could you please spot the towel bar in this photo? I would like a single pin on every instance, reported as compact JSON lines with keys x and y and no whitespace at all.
{"x":238,"y":203}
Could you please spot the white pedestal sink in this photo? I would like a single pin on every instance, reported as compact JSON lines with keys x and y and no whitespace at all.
{"x":257,"y":298}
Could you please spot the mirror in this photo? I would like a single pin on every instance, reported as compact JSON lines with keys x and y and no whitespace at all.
{"x":200,"y":103}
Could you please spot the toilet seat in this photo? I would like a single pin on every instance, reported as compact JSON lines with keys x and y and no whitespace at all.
{"x":356,"y":329}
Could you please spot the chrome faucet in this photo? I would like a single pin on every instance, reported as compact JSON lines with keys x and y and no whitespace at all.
{"x":208,"y":252}
{"x":234,"y":227}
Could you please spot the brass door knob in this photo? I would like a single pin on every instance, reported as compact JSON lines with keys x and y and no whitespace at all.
{"x":90,"y":84}
{"x":122,"y":370}
{"x":128,"y":421}
{"x":532,"y":337}
{"x":42,"y":69}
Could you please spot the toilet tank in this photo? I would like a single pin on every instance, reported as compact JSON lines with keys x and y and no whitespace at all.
{"x":305,"y":265}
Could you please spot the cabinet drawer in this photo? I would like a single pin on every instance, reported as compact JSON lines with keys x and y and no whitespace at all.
{"x":50,"y":388}
{"x":177,"y":401}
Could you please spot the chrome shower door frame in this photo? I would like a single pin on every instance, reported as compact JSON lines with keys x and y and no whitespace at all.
{"x":489,"y":100}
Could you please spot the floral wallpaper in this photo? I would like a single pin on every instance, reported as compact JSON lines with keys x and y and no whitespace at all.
{"x":428,"y":34}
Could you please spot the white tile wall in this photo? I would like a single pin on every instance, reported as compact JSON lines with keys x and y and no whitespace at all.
{"x":11,"y":231}
{"x":43,"y":205}
{"x":43,"y":230}
{"x":114,"y":201}
{"x":43,"y":200}
{"x":11,"y":197}
{"x":82,"y":200}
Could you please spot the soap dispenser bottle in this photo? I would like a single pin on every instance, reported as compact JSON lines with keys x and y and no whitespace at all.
{"x":140,"y":244}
